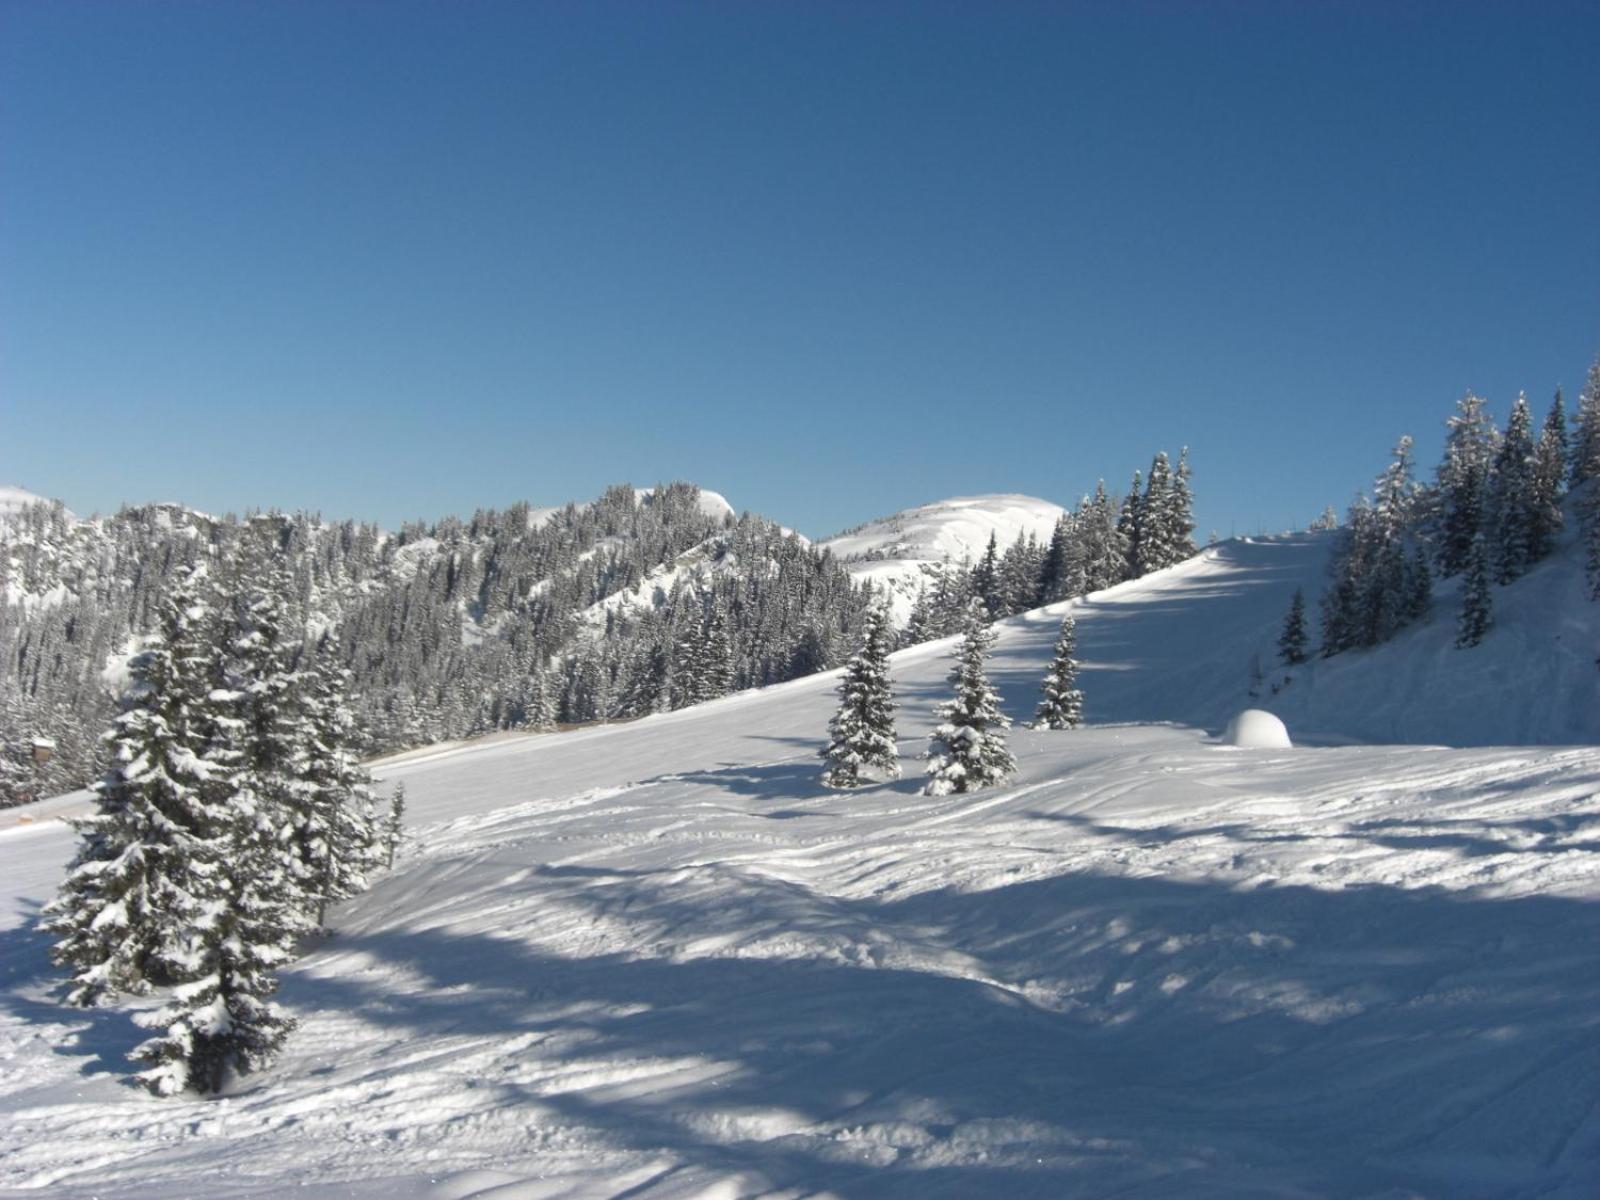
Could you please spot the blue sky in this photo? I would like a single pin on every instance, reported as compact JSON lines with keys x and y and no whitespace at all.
{"x":396,"y":260}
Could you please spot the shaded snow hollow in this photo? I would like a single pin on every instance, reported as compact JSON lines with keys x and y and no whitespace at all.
{"x":659,"y":960}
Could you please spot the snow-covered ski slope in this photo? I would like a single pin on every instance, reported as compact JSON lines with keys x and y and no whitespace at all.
{"x":656,"y":960}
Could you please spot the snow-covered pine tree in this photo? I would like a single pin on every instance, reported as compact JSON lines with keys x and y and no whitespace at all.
{"x":1061,"y":706}
{"x":861,"y":745}
{"x":967,"y":749}
{"x":1020,"y":569}
{"x":716,"y":664}
{"x":342,"y":838}
{"x":1182,"y":516}
{"x":221,"y":1020}
{"x":1585,"y":461}
{"x":1549,"y":479}
{"x":146,"y":860}
{"x":1387,"y":591}
{"x":394,"y":824}
{"x":1293,"y":640}
{"x":1477,"y":606}
{"x":986,"y":578}
{"x":1157,"y":542}
{"x":1418,"y":586}
{"x":270,"y":732}
{"x":1462,"y":482}
{"x":1103,"y":550}
{"x":919,"y":625}
{"x":1130,"y":527}
{"x":1512,"y":508}
{"x":1589,"y":532}
{"x":1061,"y":576}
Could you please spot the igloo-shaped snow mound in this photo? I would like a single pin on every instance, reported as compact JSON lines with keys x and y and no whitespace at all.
{"x":1257,"y":729}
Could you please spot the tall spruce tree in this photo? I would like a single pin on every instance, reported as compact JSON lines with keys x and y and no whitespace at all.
{"x":1462,"y":483}
{"x":1061,"y":576}
{"x":1292,"y":641}
{"x":1061,"y":705}
{"x":1182,"y":518}
{"x":1477,"y":606}
{"x":269,"y":729}
{"x":1585,"y":461}
{"x":220,"y":1020}
{"x":967,"y":749}
{"x":1513,"y":502}
{"x":1130,"y":528}
{"x":986,"y":579}
{"x":861,"y":745}
{"x":1589,"y":533}
{"x":343,"y":843}
{"x":1157,"y":543}
{"x":147,"y":858}
{"x":1549,"y":480}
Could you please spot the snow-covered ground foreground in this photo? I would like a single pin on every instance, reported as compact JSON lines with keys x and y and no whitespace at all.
{"x":657,"y":960}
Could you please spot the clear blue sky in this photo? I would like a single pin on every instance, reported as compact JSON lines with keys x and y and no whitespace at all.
{"x":393,"y":260}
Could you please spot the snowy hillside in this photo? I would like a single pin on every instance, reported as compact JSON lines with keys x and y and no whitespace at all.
{"x":657,"y":960}
{"x":13,"y":499}
{"x":892,"y":552}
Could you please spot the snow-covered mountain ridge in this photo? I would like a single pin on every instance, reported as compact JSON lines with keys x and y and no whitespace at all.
{"x":658,"y":960}
{"x":894,"y":553}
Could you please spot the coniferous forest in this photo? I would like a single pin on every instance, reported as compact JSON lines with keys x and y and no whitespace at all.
{"x":641,"y":601}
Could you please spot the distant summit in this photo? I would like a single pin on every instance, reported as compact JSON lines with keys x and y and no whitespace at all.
{"x":892,"y":552}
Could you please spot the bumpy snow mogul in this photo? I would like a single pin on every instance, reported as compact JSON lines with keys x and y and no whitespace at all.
{"x":968,"y":748}
{"x":1257,"y":729}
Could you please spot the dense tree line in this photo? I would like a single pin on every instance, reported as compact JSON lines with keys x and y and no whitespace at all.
{"x":1493,"y":511}
{"x":637,"y":602}
{"x":1103,"y":542}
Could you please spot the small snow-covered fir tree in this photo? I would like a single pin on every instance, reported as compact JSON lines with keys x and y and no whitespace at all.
{"x":148,"y":855}
{"x":1062,"y":704}
{"x":1293,"y":641}
{"x":1477,"y":607}
{"x":967,"y":749}
{"x":861,"y":744}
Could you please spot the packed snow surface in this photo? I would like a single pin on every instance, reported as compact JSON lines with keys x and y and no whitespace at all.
{"x":1258,"y":730}
{"x":658,"y":960}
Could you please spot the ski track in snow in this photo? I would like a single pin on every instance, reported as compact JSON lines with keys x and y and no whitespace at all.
{"x":657,"y":960}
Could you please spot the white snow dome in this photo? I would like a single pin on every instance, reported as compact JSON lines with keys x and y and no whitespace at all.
{"x":1257,"y":729}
